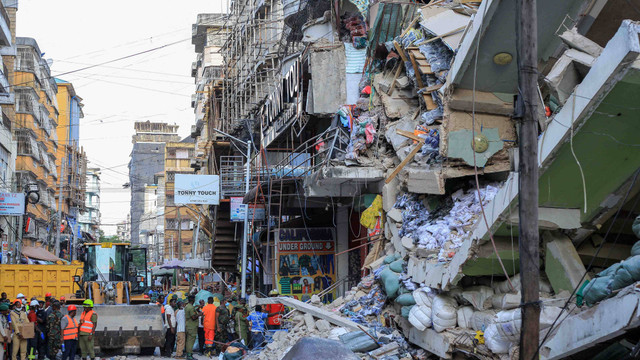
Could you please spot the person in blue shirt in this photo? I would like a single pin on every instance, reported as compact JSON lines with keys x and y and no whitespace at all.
{"x":257,"y":319}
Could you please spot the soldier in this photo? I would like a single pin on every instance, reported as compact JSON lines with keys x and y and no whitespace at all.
{"x":222,"y":317}
{"x":54,"y":332}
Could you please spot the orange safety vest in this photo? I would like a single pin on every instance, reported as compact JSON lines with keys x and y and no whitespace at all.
{"x":71,"y":331}
{"x":86,"y":326}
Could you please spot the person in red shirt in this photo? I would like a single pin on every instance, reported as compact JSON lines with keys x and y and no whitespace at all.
{"x":274,"y":321}
{"x":34,"y":306}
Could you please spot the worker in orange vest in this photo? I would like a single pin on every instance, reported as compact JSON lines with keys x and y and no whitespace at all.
{"x":209,"y":323}
{"x":88,"y":323}
{"x":69,"y":327}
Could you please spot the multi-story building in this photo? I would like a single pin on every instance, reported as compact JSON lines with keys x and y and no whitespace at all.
{"x":147,"y":159}
{"x":90,"y":219}
{"x":71,"y":160}
{"x":149,"y":219}
{"x":35,"y":133}
{"x":123,"y":230}
{"x":180,"y":220}
{"x":7,"y":103}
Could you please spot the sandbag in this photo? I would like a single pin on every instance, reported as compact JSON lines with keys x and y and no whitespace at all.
{"x":503,"y":287}
{"x":397,"y":266}
{"x":443,"y":313}
{"x":405,"y":310}
{"x":635,"y":249}
{"x":508,"y":323}
{"x":495,"y":342}
{"x":480,"y":320}
{"x":610,"y":270}
{"x":406,"y":299}
{"x":389,"y":259}
{"x":356,"y":341}
{"x":505,"y":301}
{"x":632,"y":265}
{"x":477,"y":296}
{"x":424,"y":296}
{"x":420,"y":317}
{"x":391,"y":282}
{"x":621,"y":278}
{"x":464,"y":317}
{"x":597,"y":289}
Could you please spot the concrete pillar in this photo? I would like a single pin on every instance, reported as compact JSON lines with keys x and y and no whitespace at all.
{"x":341,"y":218}
{"x":562,"y":262}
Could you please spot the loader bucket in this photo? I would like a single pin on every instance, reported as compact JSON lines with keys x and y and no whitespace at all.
{"x":133,"y":329}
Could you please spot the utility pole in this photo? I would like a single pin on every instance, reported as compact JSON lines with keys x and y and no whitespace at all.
{"x":179,"y":234}
{"x":194,"y":243}
{"x":245,"y":239}
{"x":527,"y":42}
{"x":60,"y":200}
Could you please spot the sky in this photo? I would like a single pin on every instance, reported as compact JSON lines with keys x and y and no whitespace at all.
{"x":154,"y":86}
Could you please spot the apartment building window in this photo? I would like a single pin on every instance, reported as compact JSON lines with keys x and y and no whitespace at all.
{"x":25,"y":60}
{"x":27,"y":145}
{"x":6,"y":121}
{"x":172,"y":224}
{"x":4,"y":165}
{"x":24,"y":102}
{"x":171,"y":176}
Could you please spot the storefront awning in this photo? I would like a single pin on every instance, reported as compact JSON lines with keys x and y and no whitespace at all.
{"x":39,"y":253}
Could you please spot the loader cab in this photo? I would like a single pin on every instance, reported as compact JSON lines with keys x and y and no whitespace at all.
{"x":111,"y":262}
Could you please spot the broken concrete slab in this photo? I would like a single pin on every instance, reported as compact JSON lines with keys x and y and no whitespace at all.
{"x":552,"y":218}
{"x":407,"y":243}
{"x":307,"y":309}
{"x":389,"y":349}
{"x":580,"y":42}
{"x":460,"y":145}
{"x":424,"y":181}
{"x":568,"y":72}
{"x":308,"y":320}
{"x":323,"y":325}
{"x":390,"y":193}
{"x":432,"y":341}
{"x":485,"y":102}
{"x":563,"y":265}
{"x":395,"y":215}
{"x":606,"y":320}
{"x":407,"y":123}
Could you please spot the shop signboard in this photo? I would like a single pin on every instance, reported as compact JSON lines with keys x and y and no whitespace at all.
{"x":197,"y":189}
{"x":11,"y":203}
{"x":257,"y":212}
{"x":305,"y":260}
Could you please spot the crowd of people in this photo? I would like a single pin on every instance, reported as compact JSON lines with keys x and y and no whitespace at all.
{"x":44,"y":328}
{"x":214,"y":324}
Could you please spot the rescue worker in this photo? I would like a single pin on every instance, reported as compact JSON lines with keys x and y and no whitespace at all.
{"x":69,"y":327}
{"x":54,"y":336}
{"x":18,"y":321}
{"x":222,"y":320}
{"x":5,"y":328}
{"x":275,"y":312}
{"x":41,"y":331}
{"x":88,"y":323}
{"x":209,"y":323}
{"x":242,"y":324}
{"x":191,"y":316}
{"x":32,"y":344}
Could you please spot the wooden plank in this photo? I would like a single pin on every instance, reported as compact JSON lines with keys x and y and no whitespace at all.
{"x":415,"y":67}
{"x":403,"y":56}
{"x":413,"y":22}
{"x":395,"y":77}
{"x":405,"y":161}
{"x":409,"y":134}
{"x":454,"y":31}
{"x":428,"y":100}
{"x":430,"y":89}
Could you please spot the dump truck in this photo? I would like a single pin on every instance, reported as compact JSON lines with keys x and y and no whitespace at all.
{"x":115,"y":277}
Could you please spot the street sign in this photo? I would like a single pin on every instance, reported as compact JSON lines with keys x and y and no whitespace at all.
{"x":197,"y":189}
{"x":257,"y":212}
{"x":12,"y":204}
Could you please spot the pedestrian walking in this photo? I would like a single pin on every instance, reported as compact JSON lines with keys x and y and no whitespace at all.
{"x":5,"y":329}
{"x":209,"y":323}
{"x":19,"y":321}
{"x":69,"y":327}
{"x":170,"y":326}
{"x":88,"y":323}
{"x":180,"y":330}
{"x":54,"y":332}
{"x":191,"y":325}
{"x":222,"y":321}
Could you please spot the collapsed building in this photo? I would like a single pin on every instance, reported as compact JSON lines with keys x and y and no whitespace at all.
{"x":399,"y":120}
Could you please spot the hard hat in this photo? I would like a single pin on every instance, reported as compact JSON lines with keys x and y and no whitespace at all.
{"x":34,"y":303}
{"x":20,"y":296}
{"x":17,"y":301}
{"x":87,"y":303}
{"x":273,"y":292}
{"x":71,"y":308}
{"x":47,"y":295}
{"x":63,"y":298}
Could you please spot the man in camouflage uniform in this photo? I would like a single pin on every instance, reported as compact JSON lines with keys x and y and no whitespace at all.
{"x":54,"y":331}
{"x":222,"y":318}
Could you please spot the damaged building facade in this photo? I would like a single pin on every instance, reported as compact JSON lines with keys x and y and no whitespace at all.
{"x":384,"y":145}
